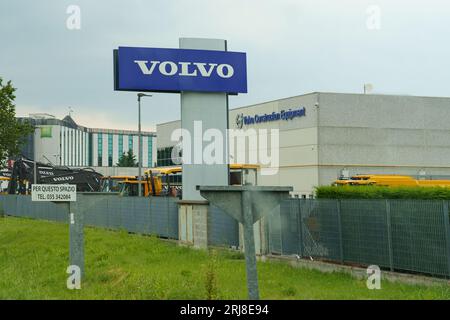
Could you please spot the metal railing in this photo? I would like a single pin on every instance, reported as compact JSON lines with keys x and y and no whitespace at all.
{"x":401,"y":235}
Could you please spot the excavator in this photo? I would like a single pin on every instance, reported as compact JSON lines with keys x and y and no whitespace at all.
{"x":22,"y":176}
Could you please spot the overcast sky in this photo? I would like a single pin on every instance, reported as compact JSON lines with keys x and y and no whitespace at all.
{"x":293,"y":47}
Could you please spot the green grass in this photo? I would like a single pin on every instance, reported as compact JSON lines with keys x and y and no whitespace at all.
{"x":380,"y":192}
{"x":34,"y":258}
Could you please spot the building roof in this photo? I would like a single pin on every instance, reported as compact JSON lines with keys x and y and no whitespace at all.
{"x":69,"y":122}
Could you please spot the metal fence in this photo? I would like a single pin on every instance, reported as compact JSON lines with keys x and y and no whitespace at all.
{"x":153,"y":215}
{"x":149,"y":215}
{"x":223,"y":230}
{"x":402,"y":235}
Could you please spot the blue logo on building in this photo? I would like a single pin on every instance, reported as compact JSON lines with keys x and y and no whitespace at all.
{"x":290,"y":114}
{"x":176,"y":70}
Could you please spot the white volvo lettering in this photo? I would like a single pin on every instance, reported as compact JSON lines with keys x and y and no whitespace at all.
{"x":220,"y":71}
{"x":143,"y":65}
{"x":172,"y":66}
{"x":202,"y":69}
{"x":187,"y":69}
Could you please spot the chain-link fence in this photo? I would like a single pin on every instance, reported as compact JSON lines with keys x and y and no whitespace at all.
{"x":402,"y":235}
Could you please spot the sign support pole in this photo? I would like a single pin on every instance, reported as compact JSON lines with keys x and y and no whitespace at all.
{"x":201,"y":111}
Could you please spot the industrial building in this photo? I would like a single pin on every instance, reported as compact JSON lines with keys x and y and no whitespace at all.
{"x":64,"y":142}
{"x":323,"y":136}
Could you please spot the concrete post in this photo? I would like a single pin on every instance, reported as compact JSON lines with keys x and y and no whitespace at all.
{"x":76,"y":236}
{"x":249,"y":243}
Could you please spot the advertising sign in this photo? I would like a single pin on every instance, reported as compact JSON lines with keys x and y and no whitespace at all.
{"x":54,"y":192}
{"x":177,"y":70}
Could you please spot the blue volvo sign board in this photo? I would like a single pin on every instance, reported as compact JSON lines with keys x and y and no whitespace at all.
{"x":176,"y":70}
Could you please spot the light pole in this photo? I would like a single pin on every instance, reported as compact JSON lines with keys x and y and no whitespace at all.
{"x":140,"y":95}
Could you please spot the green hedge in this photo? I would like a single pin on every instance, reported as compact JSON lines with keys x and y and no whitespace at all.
{"x":377,"y":192}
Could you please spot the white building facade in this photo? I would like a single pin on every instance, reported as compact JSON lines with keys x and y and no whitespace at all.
{"x":63,"y":142}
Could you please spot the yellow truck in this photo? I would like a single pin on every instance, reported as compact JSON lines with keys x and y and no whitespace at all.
{"x":129,"y":185}
{"x":389,"y":181}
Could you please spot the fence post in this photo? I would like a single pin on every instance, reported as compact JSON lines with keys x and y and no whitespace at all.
{"x":168,"y":216}
{"x":341,"y":246}
{"x":281,"y":231}
{"x":150,"y":213}
{"x":300,"y":229}
{"x":2,"y":211}
{"x":447,"y":232}
{"x":389,"y":234}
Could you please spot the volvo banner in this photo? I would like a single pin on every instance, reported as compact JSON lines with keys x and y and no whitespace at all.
{"x":176,"y":70}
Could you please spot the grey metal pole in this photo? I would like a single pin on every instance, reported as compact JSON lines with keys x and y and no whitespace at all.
{"x":35,"y":170}
{"x":249,"y":246}
{"x":140,"y":148}
{"x":35,"y":160}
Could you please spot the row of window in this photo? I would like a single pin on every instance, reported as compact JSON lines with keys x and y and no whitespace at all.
{"x":120,"y":150}
{"x":73,"y":145}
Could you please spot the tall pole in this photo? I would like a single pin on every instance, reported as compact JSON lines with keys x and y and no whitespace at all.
{"x":140,"y":95}
{"x":139,"y":147}
{"x":34,"y":156}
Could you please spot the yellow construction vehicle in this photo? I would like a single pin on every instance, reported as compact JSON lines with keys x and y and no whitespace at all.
{"x":150,"y":187}
{"x":389,"y":181}
{"x":166,"y":181}
{"x":171,"y":177}
{"x":111,"y":183}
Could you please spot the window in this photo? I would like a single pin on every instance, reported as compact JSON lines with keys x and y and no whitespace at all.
{"x":120,"y":145}
{"x":150,"y":145}
{"x":100,"y":148}
{"x":164,"y":157}
{"x":89,"y":149}
{"x":110,"y":150}
{"x":78,"y":147}
{"x":46,"y":132}
{"x":72,"y":149}
{"x":130,"y":142}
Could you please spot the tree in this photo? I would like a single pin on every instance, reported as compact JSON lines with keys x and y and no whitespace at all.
{"x":127,"y":160}
{"x":12,"y":131}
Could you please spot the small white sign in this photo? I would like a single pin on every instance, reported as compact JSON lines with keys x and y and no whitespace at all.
{"x":54,"y":192}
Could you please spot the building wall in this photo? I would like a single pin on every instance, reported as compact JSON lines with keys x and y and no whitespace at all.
{"x":118,"y":171}
{"x":383,"y":134}
{"x":47,"y":146}
{"x":298,"y":151}
{"x":349,"y":133}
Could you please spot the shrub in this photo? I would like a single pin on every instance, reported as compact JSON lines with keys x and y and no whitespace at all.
{"x":379,"y":192}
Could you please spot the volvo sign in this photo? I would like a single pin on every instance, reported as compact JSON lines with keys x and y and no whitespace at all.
{"x":177,"y":70}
